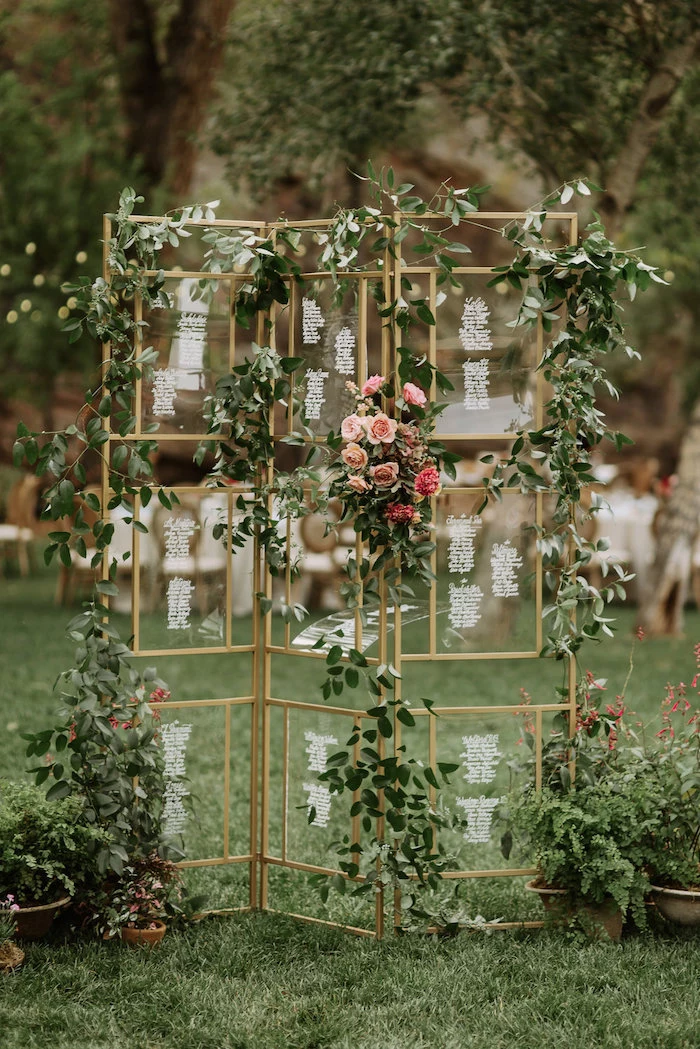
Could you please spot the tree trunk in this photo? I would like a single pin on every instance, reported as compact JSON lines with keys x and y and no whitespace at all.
{"x":621,"y":184}
{"x":677,"y":527}
{"x":165,"y":96}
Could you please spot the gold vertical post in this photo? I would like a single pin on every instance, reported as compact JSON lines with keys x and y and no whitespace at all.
{"x":379,"y":898}
{"x":432,"y":751}
{"x":285,"y":780}
{"x":136,"y":578}
{"x":397,"y":724}
{"x":138,"y":391}
{"x":107,"y":423}
{"x":227,"y":778}
{"x":231,"y":324}
{"x":228,"y":614}
{"x":538,"y":749}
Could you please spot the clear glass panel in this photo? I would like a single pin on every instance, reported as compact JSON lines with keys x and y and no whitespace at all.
{"x":326,"y":334}
{"x":191,"y":339}
{"x":489,"y":364}
{"x":182,"y":574}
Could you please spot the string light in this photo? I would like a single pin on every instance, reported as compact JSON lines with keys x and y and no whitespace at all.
{"x":30,"y":248}
{"x":12,"y":317}
{"x":39,"y":280}
{"x":72,"y":302}
{"x":64,"y":313}
{"x":81,"y":257}
{"x":25,"y":305}
{"x":5,"y":269}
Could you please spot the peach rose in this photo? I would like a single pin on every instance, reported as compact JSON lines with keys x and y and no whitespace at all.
{"x":351,"y":427}
{"x":384,"y":474}
{"x":358,"y":484}
{"x":413,"y":394}
{"x":354,"y":456}
{"x":380,"y":429}
{"x":373,"y":384}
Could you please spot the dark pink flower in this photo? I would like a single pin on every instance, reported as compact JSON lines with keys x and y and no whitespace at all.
{"x":399,"y":514}
{"x":428,"y":482}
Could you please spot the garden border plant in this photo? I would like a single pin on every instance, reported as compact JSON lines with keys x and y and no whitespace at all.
{"x":578,"y":282}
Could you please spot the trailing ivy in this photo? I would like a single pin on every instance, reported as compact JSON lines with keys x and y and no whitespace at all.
{"x":573,"y":292}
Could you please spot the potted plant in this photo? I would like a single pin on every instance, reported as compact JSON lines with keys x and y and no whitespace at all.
{"x":672,"y":763}
{"x":11,"y":956}
{"x":134,"y":906}
{"x":46,"y":854}
{"x":588,"y":843}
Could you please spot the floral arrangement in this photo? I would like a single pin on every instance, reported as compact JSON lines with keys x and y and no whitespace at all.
{"x":388,"y":469}
{"x":142,"y":896}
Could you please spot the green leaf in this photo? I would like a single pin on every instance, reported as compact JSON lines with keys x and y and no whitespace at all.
{"x":61,"y":789}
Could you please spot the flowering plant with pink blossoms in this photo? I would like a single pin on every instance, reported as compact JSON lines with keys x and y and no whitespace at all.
{"x":388,"y":470}
{"x":8,"y":922}
{"x":147,"y":890}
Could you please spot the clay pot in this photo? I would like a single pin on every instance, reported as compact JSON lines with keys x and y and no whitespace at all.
{"x":35,"y":922}
{"x":677,"y":905}
{"x":11,"y":956}
{"x":604,"y":919}
{"x":137,"y":937}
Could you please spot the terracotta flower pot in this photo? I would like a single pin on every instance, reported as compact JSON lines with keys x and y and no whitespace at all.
{"x":605,"y":919}
{"x":11,"y":956}
{"x":678,"y":905}
{"x":35,"y":922}
{"x":136,"y":937}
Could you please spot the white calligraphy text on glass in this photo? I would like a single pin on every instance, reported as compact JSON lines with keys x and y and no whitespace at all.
{"x":462,"y":532}
{"x":479,"y":815}
{"x":345,"y":352}
{"x":318,"y":796}
{"x":314,"y":399}
{"x":179,"y":602}
{"x":465,"y":605}
{"x":164,"y":391}
{"x":505,"y":562}
{"x":312,"y":320}
{"x":175,"y":738}
{"x":475,"y":338}
{"x":481,"y":757}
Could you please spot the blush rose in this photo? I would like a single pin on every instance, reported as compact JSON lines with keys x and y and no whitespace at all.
{"x":413,"y":394}
{"x":380,"y":429}
{"x":354,"y":456}
{"x":384,"y":474}
{"x":358,"y":484}
{"x":373,"y":385}
{"x":351,"y":427}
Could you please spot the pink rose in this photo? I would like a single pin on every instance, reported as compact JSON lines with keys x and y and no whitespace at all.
{"x":351,"y":427}
{"x":354,"y":456}
{"x":413,"y":394}
{"x":380,"y":428}
{"x":428,"y":481}
{"x":384,"y":474}
{"x":373,"y":384}
{"x":358,"y":484}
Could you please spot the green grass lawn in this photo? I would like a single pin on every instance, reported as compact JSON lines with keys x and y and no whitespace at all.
{"x":263,"y":980}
